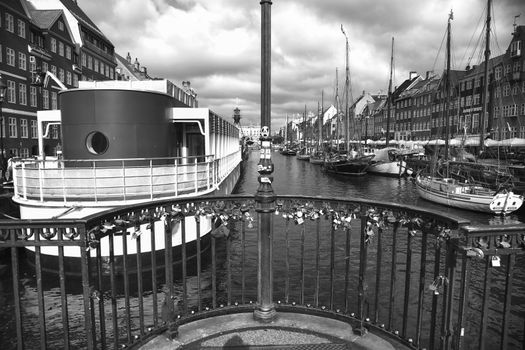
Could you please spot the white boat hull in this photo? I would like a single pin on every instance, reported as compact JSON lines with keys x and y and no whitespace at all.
{"x":43,"y":211}
{"x":464,"y":196}
{"x":396,"y":168}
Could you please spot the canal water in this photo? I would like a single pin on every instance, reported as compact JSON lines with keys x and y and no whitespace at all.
{"x":298,"y":177}
{"x":291,"y":177}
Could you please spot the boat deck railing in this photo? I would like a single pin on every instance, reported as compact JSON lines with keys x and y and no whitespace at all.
{"x":424,"y":279}
{"x":120,"y":180}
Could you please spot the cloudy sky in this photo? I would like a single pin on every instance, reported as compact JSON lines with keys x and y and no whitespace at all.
{"x":216,"y":44}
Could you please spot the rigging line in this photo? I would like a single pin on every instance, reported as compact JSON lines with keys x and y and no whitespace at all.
{"x":470,"y":40}
{"x":439,"y":51}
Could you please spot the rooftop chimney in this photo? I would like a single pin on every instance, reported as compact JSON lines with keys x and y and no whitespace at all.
{"x":137,"y":64}
{"x":412,"y":74}
{"x":128,"y":58}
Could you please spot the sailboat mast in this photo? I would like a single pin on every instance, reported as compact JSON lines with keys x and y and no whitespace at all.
{"x":286,"y":131}
{"x":485,"y":80}
{"x":304,"y":127}
{"x":389,"y":98}
{"x":338,"y":110}
{"x":447,"y":87}
{"x":321,"y":121}
{"x":347,"y":84}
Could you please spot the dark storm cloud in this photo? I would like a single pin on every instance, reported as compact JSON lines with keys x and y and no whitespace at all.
{"x":216,"y":44}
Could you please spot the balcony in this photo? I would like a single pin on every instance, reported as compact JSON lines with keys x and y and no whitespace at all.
{"x":337,"y":273}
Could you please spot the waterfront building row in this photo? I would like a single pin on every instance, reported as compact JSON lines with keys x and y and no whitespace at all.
{"x":417,"y":107}
{"x":418,"y":104}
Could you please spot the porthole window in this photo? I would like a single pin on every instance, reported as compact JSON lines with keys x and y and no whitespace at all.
{"x":97,"y":143}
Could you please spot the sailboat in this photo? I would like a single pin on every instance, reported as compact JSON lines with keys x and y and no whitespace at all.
{"x":464,"y":194}
{"x":351,"y":163}
{"x":317,"y":155}
{"x":287,"y":149}
{"x":389,"y":161}
{"x":303,"y":153}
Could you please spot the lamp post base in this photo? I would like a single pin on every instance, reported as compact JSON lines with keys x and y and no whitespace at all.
{"x":265,"y":316}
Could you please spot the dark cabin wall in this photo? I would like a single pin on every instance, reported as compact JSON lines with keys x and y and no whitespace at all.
{"x":135,"y":123}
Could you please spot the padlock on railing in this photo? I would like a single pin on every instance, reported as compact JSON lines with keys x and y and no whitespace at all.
{"x":474,"y":252}
{"x":495,"y":261}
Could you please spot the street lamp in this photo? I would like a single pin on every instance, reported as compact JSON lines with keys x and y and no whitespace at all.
{"x":3,"y":88}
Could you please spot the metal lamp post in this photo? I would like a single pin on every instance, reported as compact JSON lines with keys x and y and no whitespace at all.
{"x":3,"y":88}
{"x":265,"y":197}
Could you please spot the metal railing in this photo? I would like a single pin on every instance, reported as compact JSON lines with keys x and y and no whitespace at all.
{"x":426,"y":279}
{"x":120,"y":180}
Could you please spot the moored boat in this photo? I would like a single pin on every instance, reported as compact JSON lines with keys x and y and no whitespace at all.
{"x":126,"y":143}
{"x":451,"y":192}
{"x":303,"y":154}
{"x":342,"y":165}
{"x":389,"y":162}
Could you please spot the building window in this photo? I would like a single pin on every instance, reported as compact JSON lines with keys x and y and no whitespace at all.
{"x":497,"y":73}
{"x":45,"y":67}
{"x":32,"y":96}
{"x":469,"y":85}
{"x":22,"y":94}
{"x":90,"y":62}
{"x":95,"y":65}
{"x":45,"y":99}
{"x":507,"y":69}
{"x":34,"y":129}
{"x":9,"y":22}
{"x":61,"y":75}
{"x":12,"y":127}
{"x":476,"y":82}
{"x":61,"y":48}
{"x":75,"y":80}
{"x":60,"y":25}
{"x":10,"y":57}
{"x":496,"y":111}
{"x":24,"y":152}
{"x":68,"y":52}
{"x":83,"y":57}
{"x":22,"y":61}
{"x":54,"y":132}
{"x":21,"y":29}
{"x":516,"y":66}
{"x":68,"y":78}
{"x":53,"y":45}
{"x":11,"y":91}
{"x":23,"y":129}
{"x":516,"y":89}
{"x":476,"y":99}
{"x":468,"y":101}
{"x":54,"y":104}
{"x":54,"y":69}
{"x":506,"y":89}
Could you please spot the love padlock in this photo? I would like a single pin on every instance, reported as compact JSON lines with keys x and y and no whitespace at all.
{"x":495,"y":261}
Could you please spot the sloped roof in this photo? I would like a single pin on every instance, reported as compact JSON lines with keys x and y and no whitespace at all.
{"x":72,"y":6}
{"x":130,"y":68}
{"x":44,"y":19}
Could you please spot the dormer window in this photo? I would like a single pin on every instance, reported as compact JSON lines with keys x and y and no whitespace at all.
{"x":61,"y":25}
{"x":515,"y":48}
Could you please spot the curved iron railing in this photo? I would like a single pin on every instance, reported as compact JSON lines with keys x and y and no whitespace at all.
{"x":426,"y":279}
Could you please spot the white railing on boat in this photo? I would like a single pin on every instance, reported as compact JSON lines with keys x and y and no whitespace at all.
{"x":120,"y":179}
